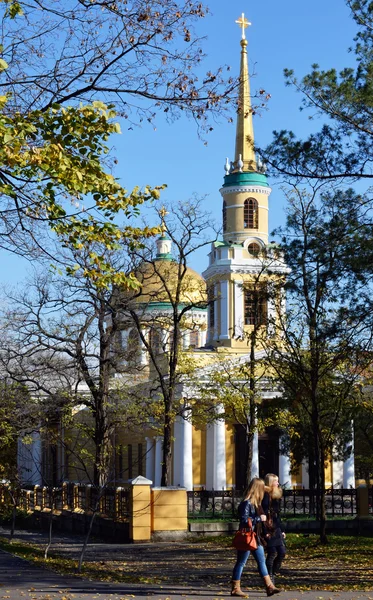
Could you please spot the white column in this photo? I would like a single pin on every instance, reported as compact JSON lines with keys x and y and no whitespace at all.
{"x":144,"y":353}
{"x":203,"y":334}
{"x":216,"y":478}
{"x":349,"y":466}
{"x":337,"y":470}
{"x":284,"y":471}
{"x":255,"y":463}
{"x":305,"y":475}
{"x":186,"y":339}
{"x":124,"y":338}
{"x":183,"y":455}
{"x":224,"y":310}
{"x":271,"y":310}
{"x":150,"y":458}
{"x":158,"y":461}
{"x":29,"y":458}
{"x":216,"y":313}
{"x":238,"y":308}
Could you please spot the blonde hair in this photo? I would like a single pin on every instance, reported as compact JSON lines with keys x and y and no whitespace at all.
{"x":274,"y":492}
{"x":255,"y":491}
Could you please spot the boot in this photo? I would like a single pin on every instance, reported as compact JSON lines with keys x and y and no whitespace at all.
{"x":270,"y":588}
{"x":273,"y":578}
{"x":236,"y":589}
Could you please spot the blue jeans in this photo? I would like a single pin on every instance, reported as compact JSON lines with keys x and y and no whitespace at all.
{"x":243,"y":555}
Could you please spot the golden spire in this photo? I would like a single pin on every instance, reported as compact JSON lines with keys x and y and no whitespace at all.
{"x":244,"y":152}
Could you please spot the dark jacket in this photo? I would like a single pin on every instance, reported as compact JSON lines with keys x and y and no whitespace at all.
{"x":271,"y":509}
{"x":246,"y":511}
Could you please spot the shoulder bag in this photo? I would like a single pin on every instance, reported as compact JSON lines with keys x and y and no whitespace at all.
{"x":245,"y":538}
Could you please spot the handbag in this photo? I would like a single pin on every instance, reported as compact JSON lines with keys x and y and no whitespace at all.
{"x":245,"y":538}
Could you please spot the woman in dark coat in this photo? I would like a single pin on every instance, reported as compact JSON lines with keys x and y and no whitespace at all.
{"x":250,"y":508}
{"x":275,"y":537}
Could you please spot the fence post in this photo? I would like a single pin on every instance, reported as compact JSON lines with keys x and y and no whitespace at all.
{"x":362,"y":501}
{"x":140,"y":509}
{"x":36,"y":497}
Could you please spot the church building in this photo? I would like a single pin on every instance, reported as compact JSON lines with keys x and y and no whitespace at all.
{"x":242,"y":267}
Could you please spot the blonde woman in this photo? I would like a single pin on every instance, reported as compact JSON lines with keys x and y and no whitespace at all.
{"x":250,"y":508}
{"x":275,"y":537}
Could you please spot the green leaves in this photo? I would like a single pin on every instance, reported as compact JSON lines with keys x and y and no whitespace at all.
{"x":60,"y":153}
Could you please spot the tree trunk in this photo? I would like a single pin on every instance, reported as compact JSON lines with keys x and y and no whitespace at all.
{"x":323,"y":537}
{"x":166,"y":451}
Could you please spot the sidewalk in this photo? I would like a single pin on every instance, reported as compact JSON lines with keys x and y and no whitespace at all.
{"x":188,"y":571}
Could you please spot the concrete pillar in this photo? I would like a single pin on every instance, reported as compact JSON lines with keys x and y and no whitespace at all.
{"x":216,"y":478}
{"x":362,"y":499}
{"x":140,"y":509}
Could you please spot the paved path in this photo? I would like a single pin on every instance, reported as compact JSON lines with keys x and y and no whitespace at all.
{"x":20,"y":580}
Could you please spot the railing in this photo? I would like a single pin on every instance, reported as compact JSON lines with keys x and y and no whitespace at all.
{"x":338,"y":502}
{"x":112,"y":503}
{"x":217,"y":504}
{"x":213,"y":504}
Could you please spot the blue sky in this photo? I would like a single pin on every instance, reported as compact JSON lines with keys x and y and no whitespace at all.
{"x":291,"y":34}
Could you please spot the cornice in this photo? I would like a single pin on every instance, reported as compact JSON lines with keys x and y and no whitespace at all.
{"x":244,"y":269}
{"x":246,"y":189}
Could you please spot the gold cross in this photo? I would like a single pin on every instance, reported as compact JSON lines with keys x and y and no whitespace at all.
{"x":243,"y":23}
{"x":162,"y":213}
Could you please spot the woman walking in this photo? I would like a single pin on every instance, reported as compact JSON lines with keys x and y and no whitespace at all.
{"x":250,"y":508}
{"x":275,"y":537}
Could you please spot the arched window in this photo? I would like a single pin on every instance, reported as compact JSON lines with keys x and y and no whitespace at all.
{"x":250,"y":214}
{"x":224,"y":216}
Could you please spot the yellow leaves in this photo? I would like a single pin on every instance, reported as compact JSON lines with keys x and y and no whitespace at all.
{"x":59,"y":152}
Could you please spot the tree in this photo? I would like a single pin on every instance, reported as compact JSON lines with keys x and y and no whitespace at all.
{"x":326,"y":340}
{"x":54,"y":124}
{"x":343,"y":146}
{"x":145,"y":57}
{"x":46,"y":156}
{"x":166,"y":307}
{"x":56,"y":341}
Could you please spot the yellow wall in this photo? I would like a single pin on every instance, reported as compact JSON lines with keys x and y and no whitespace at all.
{"x":199,"y":457}
{"x":169,"y":510}
{"x":229,"y":455}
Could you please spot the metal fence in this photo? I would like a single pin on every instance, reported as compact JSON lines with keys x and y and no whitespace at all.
{"x":204,"y":504}
{"x":112,"y":503}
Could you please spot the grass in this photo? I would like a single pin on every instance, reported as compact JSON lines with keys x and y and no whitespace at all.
{"x":345,"y":563}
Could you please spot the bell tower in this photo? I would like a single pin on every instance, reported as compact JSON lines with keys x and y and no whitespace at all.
{"x":238,"y":261}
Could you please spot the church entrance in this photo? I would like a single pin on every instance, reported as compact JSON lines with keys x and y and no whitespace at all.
{"x":268,"y":454}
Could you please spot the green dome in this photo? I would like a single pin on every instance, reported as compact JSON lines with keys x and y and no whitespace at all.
{"x":248,"y":178}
